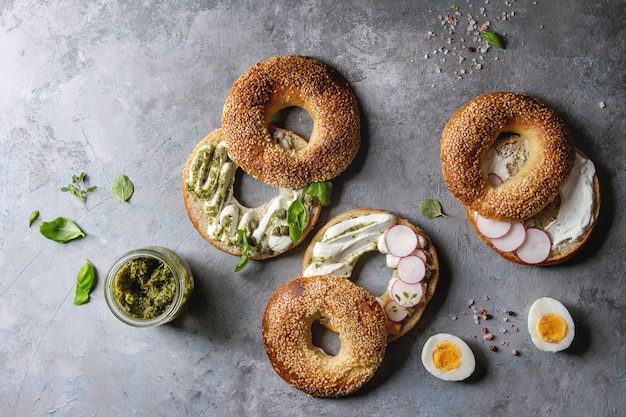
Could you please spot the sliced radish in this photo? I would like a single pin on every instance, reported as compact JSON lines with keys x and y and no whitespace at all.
{"x":421,"y":254}
{"x":407,"y":295}
{"x":411,"y":269}
{"x":491,"y":228}
{"x":401,"y":240}
{"x":395,"y":312}
{"x":494,"y":179}
{"x":512,"y":240}
{"x":536,"y":248}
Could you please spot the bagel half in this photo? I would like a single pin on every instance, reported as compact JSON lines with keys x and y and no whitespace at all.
{"x":564,"y":250}
{"x":195,"y":206}
{"x":395,"y":329}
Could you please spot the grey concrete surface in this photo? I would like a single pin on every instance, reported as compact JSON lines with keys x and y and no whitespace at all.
{"x":115,"y":86}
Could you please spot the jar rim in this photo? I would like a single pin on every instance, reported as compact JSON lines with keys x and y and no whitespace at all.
{"x":166,"y":256}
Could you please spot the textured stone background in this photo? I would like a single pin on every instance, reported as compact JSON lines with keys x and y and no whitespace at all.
{"x":114,"y":86}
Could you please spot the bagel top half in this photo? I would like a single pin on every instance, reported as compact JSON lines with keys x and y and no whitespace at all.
{"x":287,"y":81}
{"x":218,"y":216}
{"x":475,"y":127}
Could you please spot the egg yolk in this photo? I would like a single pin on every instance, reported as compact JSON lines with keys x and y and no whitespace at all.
{"x":446,"y":356}
{"x":551,"y":328}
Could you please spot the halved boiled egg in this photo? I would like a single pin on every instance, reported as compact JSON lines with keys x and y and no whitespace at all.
{"x":550,"y":325}
{"x":448,"y":357}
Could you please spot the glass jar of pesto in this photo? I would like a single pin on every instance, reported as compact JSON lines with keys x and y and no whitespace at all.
{"x":148,"y":286}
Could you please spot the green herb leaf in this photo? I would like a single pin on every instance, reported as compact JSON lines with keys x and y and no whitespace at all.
{"x":60,"y":230}
{"x":245,"y":250}
{"x":492,"y":38}
{"x":122,"y":188}
{"x":454,"y":7}
{"x":84,"y":283}
{"x":296,"y":219}
{"x":321,"y":190}
{"x":33,"y":216}
{"x":76,"y":188}
{"x":431,"y":209}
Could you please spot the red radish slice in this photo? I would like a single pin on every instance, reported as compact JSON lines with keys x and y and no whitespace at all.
{"x":401,"y":240}
{"x":491,"y":228}
{"x":407,"y":295}
{"x":395,"y":312}
{"x":536,"y":248}
{"x":512,"y":240}
{"x":411,"y":269}
{"x":420,"y":254}
{"x":494,"y":179}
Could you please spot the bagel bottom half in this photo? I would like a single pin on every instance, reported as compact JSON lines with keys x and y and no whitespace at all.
{"x":215,"y":212}
{"x":569,"y":219}
{"x":356,"y":317}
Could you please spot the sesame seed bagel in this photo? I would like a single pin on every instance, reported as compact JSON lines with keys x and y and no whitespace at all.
{"x":356,"y":317}
{"x":569,"y":219}
{"x":336,"y":248}
{"x":275,"y":84}
{"x":473,"y":129}
{"x":208,"y":192}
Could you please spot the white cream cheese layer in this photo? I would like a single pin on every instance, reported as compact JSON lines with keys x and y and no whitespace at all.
{"x":576,"y":211}
{"x":344,"y":242}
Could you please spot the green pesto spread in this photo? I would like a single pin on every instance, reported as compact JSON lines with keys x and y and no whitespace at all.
{"x":144,"y":287}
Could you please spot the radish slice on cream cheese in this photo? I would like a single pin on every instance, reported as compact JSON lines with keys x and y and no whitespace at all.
{"x":407,"y":295}
{"x":420,"y":254}
{"x":536,"y":248}
{"x":491,"y":228}
{"x":411,"y":269}
{"x":395,"y":312}
{"x":401,"y":240}
{"x":512,"y":240}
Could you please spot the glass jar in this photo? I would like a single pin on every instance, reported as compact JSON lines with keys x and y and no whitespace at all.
{"x":148,"y":286}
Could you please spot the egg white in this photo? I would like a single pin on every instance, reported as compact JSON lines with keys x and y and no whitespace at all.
{"x":465,"y":368}
{"x":543,"y":306}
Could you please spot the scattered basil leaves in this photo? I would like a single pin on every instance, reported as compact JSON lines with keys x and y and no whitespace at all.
{"x":455,"y":7}
{"x":296,"y":219}
{"x":122,"y":188}
{"x":33,"y":216}
{"x":245,"y":250}
{"x":431,"y":209}
{"x":492,"y":38}
{"x":321,"y":190}
{"x":61,"y":230}
{"x":84,"y":283}
{"x":76,"y":188}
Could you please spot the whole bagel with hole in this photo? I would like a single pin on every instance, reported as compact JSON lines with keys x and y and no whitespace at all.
{"x":285,"y":81}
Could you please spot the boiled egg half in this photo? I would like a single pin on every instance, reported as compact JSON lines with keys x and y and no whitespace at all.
{"x":448,"y":357}
{"x":550,"y":325}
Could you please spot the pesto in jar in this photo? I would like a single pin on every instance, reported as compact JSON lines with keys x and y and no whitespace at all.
{"x":144,"y":287}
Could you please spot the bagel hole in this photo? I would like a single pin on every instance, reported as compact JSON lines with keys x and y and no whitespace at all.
{"x":371,"y":273}
{"x":295,"y":119}
{"x":251,"y":192}
{"x":508,"y":146}
{"x":325,"y":339}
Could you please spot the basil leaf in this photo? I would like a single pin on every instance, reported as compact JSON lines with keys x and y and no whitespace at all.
{"x":122,"y":188}
{"x":321,"y":190}
{"x":84,"y":283}
{"x":60,"y":230}
{"x":431,"y":209}
{"x":296,"y":219}
{"x":492,"y":38}
{"x":245,"y":250}
{"x":33,"y":216}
